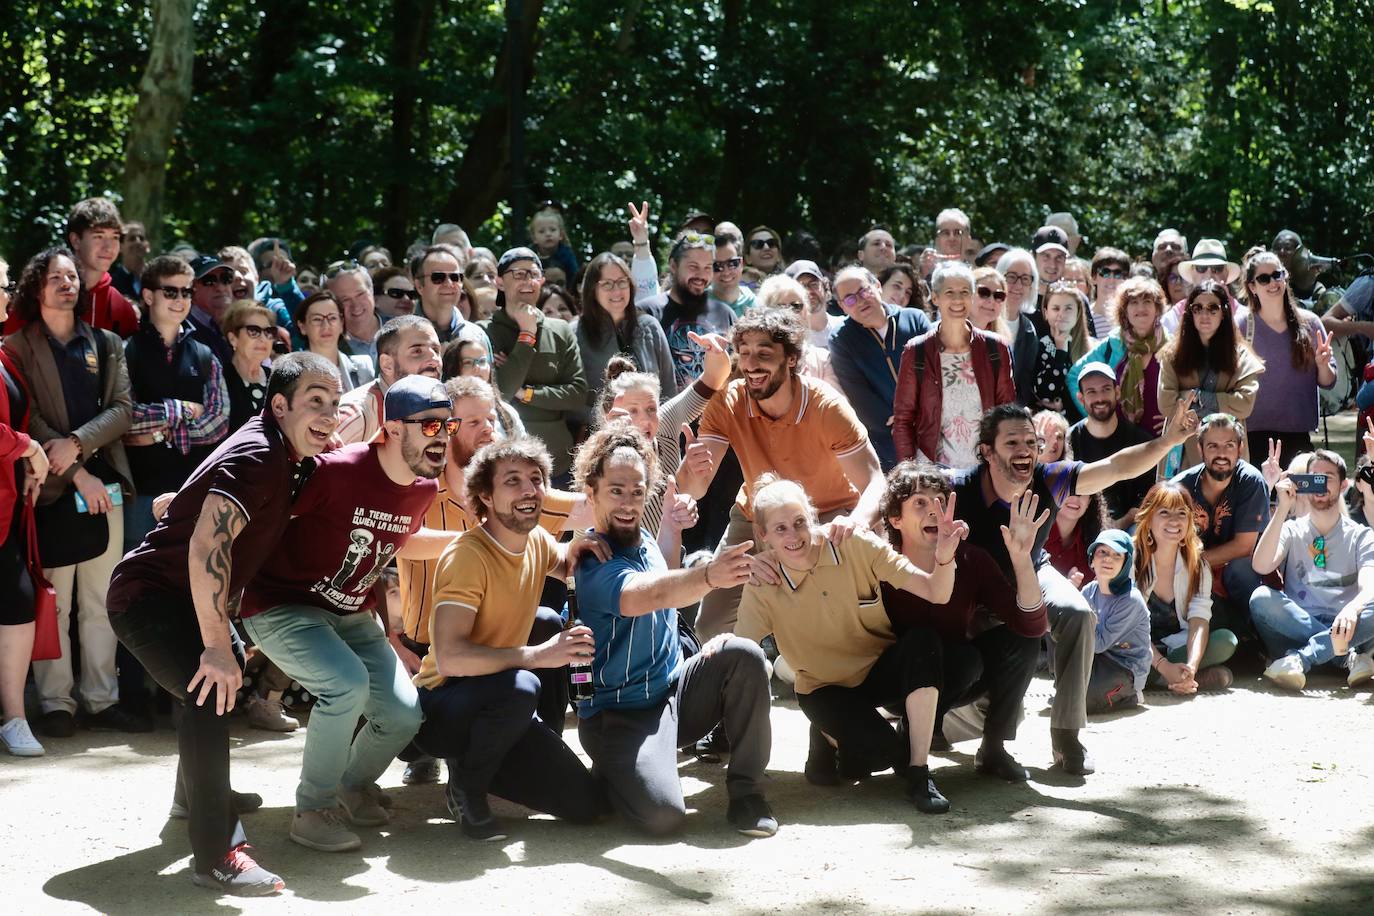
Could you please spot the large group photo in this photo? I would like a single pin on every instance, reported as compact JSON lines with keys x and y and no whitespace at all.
{"x":529,"y":513}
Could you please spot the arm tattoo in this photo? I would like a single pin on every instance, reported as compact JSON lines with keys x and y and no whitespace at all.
{"x":227,"y":522}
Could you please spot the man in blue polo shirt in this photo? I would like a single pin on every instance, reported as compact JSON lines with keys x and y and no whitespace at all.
{"x":866,"y":351}
{"x":649,"y":700}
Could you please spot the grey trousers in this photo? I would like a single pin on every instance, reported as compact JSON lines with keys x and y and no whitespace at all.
{"x":634,"y":751}
{"x":720,"y":608}
{"x":1072,"y":627}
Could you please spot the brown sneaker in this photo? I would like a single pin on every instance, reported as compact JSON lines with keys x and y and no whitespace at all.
{"x":323,"y":829}
{"x":363,"y":808}
{"x":1217,"y":677}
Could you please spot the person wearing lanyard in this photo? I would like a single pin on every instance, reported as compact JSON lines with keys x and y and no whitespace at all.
{"x":866,"y":350}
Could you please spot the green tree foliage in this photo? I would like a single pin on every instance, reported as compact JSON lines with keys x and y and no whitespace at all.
{"x":336,"y":122}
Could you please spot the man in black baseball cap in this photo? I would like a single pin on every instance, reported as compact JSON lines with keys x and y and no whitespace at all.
{"x":213,"y":293}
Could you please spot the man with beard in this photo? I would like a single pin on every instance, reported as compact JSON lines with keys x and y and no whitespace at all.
{"x":819,"y":324}
{"x":1007,"y":467}
{"x":171,"y":598}
{"x":794,"y":425}
{"x":686,"y":308}
{"x":1326,"y":606}
{"x":307,"y":610}
{"x":866,"y":351}
{"x":1103,"y":433}
{"x":538,"y":362}
{"x":648,"y":699}
{"x":405,"y":346}
{"x":494,"y":685}
{"x":1232,"y":506}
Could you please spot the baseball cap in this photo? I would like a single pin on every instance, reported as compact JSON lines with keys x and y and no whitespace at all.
{"x":415,"y":394}
{"x":696,"y":216}
{"x":1096,"y":367}
{"x":515,"y":254}
{"x":1048,"y":238}
{"x":205,"y":263}
{"x":802,"y":268}
{"x":986,"y":253}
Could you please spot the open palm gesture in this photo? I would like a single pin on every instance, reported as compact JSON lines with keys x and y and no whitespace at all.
{"x":1019,"y":534}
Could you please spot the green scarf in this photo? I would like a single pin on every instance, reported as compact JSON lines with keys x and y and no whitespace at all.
{"x":1139,"y":352}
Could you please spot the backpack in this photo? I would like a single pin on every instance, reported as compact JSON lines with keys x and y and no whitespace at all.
{"x":994,"y":357}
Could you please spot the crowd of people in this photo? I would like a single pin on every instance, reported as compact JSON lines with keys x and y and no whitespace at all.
{"x":405,"y":497}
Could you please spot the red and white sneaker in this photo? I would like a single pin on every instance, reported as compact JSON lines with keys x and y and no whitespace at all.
{"x":239,"y":874}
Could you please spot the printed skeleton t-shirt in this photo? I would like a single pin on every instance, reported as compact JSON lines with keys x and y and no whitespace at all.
{"x":348,"y":523}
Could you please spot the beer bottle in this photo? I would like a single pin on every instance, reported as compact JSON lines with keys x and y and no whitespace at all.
{"x":580,"y":671}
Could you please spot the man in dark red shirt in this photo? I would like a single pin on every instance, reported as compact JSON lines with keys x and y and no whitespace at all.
{"x":308,"y":608}
{"x":171,"y":598}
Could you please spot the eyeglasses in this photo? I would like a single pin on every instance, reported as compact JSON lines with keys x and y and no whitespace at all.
{"x":987,"y":292}
{"x":609,"y":286}
{"x":1217,"y":269}
{"x":475,"y":362}
{"x":1018,"y":279}
{"x":761,"y":244}
{"x":320,"y":320}
{"x":1204,"y":308}
{"x":794,"y":306}
{"x":854,"y":298}
{"x":217,"y":279}
{"x":1277,"y":276}
{"x":176,"y":292}
{"x":951,"y":233}
{"x":1111,"y":273}
{"x":398,"y":293}
{"x":523,"y":274}
{"x":256,"y":331}
{"x":727,"y":264}
{"x":439,"y":277}
{"x":1319,"y":551}
{"x":339,"y":267}
{"x":430,"y":426}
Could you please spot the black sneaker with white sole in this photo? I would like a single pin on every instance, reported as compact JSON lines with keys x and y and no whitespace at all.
{"x":244,"y":803}
{"x":473,"y":814}
{"x":751,"y":816}
{"x":238,"y":873}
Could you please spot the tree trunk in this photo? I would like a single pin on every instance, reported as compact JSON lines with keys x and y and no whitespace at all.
{"x":162,"y":96}
{"x":411,"y":21}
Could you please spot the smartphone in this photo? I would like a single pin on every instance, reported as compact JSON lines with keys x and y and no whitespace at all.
{"x":1309,"y":483}
{"x":116,"y":497}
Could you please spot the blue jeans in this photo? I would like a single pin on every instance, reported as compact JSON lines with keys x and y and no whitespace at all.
{"x":1287,"y":629}
{"x":347,"y":663}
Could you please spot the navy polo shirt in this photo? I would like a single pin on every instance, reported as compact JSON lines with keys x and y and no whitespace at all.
{"x":985,"y":513}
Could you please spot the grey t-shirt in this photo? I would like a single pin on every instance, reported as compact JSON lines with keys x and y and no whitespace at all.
{"x":1324,"y":589}
{"x":1359,"y":298}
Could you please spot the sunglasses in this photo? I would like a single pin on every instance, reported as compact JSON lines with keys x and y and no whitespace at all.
{"x":1111,"y":273}
{"x":396,"y":293}
{"x":1319,"y":551}
{"x":430,"y":426}
{"x":1217,"y":269}
{"x":176,"y":292}
{"x":760,"y":244}
{"x":794,"y":306}
{"x":256,"y":331}
{"x":1275,"y":277}
{"x":1203,"y":308}
{"x":338,"y":267}
{"x":437,"y":277}
{"x":727,"y":264}
{"x":217,"y":279}
{"x":987,"y":292}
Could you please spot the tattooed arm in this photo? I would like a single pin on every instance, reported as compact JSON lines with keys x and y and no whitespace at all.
{"x":220,"y":522}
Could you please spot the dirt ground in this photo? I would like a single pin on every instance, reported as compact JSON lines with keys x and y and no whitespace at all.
{"x":1250,"y":801}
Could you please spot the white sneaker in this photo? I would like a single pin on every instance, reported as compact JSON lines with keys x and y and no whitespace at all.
{"x":19,"y":740}
{"x":1287,"y":673}
{"x":1361,"y":668}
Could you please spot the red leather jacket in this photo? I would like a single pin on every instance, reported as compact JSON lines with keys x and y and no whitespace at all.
{"x":920,"y":401}
{"x":14,"y":442}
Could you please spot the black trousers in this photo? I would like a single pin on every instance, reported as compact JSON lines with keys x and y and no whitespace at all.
{"x":161,"y":631}
{"x":849,"y":714}
{"x":998,"y":664}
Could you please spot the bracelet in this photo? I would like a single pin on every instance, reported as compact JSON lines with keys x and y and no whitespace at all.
{"x":77,"y":442}
{"x":946,"y":563}
{"x":706,"y":574}
{"x":644,"y":244}
{"x":1028,"y":610}
{"x":1155,"y":664}
{"x":525,"y":337}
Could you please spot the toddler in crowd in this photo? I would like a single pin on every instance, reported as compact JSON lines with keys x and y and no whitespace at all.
{"x":550,"y":239}
{"x":1122,"y":659}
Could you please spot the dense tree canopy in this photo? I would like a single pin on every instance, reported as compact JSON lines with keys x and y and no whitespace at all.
{"x":331,"y":122}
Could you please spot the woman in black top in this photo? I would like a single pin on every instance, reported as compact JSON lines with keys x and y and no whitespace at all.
{"x":249,"y":329}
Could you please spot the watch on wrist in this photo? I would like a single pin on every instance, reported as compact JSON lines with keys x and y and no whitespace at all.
{"x":77,"y":443}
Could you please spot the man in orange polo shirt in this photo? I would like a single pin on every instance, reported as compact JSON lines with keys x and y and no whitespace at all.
{"x":780,"y":421}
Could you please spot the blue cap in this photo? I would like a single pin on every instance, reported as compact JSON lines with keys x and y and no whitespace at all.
{"x":1120,"y":542}
{"x":415,"y":394}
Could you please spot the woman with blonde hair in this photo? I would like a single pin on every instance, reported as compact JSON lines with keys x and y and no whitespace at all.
{"x":1174,"y":578}
{"x":989,"y":296}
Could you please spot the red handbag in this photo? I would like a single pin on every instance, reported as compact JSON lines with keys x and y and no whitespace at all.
{"x":46,"y":643}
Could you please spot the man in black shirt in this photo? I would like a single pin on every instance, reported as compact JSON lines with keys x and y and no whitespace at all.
{"x":1103,"y":433}
{"x":1006,"y":467}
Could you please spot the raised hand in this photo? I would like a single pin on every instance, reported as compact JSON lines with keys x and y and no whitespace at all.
{"x":715,"y":353}
{"x":1184,"y":421}
{"x":1323,"y":346}
{"x":1286,"y":492}
{"x":1019,"y":535}
{"x":696,"y":458}
{"x":730,"y":567}
{"x":1271,"y":469}
{"x":682,"y":511}
{"x":1369,"y":436}
{"x":951,"y":532}
{"x":639,"y":223}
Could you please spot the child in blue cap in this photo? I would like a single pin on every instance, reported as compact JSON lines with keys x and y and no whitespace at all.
{"x":1123,"y":652}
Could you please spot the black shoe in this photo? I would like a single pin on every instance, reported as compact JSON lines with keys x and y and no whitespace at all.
{"x":751,"y":816}
{"x":472,"y":813}
{"x":56,"y":724}
{"x":709,"y":748}
{"x":420,"y":772}
{"x":239,"y":874}
{"x":1069,"y":753}
{"x":939,"y":743}
{"x":822,"y":762}
{"x":117,"y":719}
{"x":244,"y":803}
{"x":921,"y":791}
{"x":997,"y":762}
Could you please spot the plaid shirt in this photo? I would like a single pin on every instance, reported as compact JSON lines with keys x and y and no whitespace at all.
{"x":169,"y":414}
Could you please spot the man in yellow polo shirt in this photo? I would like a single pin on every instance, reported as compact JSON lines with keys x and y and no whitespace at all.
{"x":493,"y":687}
{"x":785,"y":423}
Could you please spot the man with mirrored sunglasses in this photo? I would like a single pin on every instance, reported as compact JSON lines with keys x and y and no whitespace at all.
{"x":726,"y":272}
